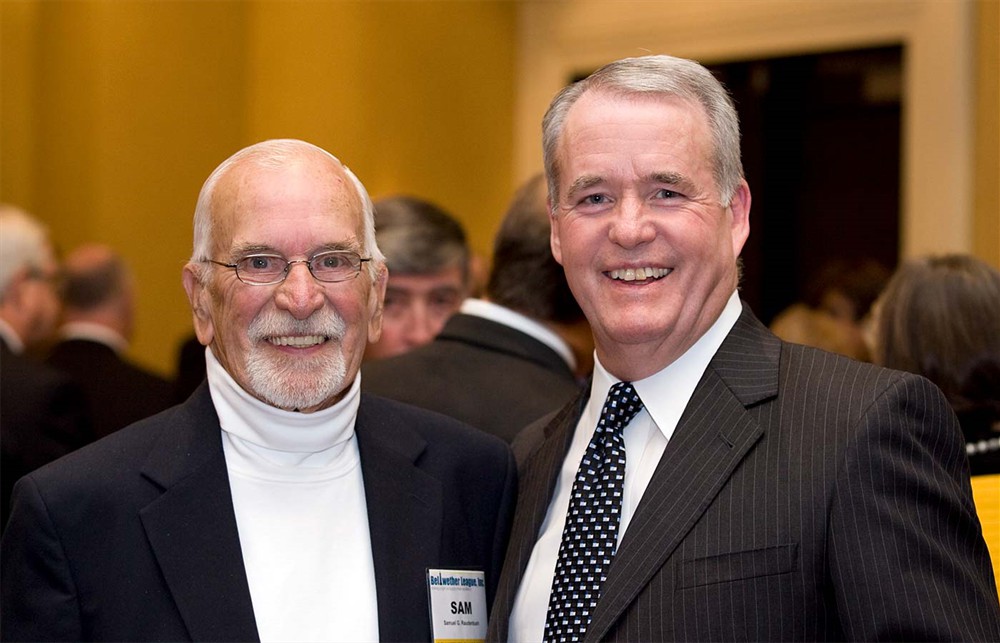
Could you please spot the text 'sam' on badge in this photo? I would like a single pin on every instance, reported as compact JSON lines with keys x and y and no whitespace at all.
{"x":458,"y":605}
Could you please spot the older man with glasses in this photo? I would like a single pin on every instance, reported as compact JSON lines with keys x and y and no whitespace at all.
{"x":278,"y":502}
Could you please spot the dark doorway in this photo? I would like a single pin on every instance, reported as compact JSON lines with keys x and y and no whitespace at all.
{"x":821,"y":150}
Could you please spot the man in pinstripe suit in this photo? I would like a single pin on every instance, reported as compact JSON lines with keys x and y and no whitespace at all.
{"x":771,"y":491}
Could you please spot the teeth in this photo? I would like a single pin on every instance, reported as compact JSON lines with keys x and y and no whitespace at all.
{"x":297,"y":341}
{"x":639,"y":274}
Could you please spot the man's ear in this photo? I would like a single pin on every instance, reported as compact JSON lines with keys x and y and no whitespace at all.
{"x":198,"y":296}
{"x":13,"y":294}
{"x":739,"y":208}
{"x":378,"y":291}
{"x":554,"y":240}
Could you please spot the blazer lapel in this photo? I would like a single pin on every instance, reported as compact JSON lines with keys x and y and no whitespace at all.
{"x":537,"y":482}
{"x":192,"y":526}
{"x":712,"y":437}
{"x":402,"y":502}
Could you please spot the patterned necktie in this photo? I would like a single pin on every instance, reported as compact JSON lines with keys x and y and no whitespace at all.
{"x":590,"y":537}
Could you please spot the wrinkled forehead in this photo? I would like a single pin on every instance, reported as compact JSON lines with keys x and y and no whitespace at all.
{"x":289,"y":192}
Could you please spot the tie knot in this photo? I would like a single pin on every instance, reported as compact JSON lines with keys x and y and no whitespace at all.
{"x":620,"y":407}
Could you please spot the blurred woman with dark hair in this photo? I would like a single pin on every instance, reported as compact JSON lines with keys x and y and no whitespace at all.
{"x":940,"y":317}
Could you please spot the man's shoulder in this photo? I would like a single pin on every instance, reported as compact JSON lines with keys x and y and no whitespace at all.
{"x":806,"y":364}
{"x":82,"y":356}
{"x":120,"y":453}
{"x":753,"y":359}
{"x":412,"y":430}
{"x":430,"y":424}
{"x":25,"y":372}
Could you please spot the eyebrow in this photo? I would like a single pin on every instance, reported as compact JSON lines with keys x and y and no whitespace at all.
{"x":670,"y":178}
{"x":583,"y":183}
{"x":261,"y":248}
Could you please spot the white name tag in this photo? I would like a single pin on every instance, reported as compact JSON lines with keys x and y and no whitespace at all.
{"x":458,"y":605}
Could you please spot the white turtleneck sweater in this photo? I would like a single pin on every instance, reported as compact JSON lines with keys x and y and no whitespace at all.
{"x":300,"y":508}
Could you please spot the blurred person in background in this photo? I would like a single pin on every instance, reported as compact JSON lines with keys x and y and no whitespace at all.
{"x":98,"y":298}
{"x":512,"y":356}
{"x":429,"y":263}
{"x":847,"y":288}
{"x":802,"y":324}
{"x":42,"y":411}
{"x":940,"y":317}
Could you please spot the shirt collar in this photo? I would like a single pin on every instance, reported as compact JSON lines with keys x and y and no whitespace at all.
{"x":11,"y":338}
{"x":665,"y":394}
{"x":261,"y":424}
{"x":507,"y":317}
{"x":94,"y":333}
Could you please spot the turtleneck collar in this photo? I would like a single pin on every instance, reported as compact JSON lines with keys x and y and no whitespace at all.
{"x":262,"y":425}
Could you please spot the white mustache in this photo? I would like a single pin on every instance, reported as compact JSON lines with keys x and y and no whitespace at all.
{"x":273,"y":324}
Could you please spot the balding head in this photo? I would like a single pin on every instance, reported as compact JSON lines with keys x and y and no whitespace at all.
{"x":98,"y":288}
{"x":219,"y":189}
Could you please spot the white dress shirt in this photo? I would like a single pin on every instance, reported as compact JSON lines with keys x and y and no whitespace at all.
{"x":11,"y":338}
{"x":94,"y":333}
{"x":300,"y":509}
{"x":664,"y":395}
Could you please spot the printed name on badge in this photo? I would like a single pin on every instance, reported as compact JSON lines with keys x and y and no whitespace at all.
{"x":457,"y":600}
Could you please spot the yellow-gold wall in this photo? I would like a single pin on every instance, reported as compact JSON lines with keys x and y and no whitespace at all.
{"x":114,"y":112}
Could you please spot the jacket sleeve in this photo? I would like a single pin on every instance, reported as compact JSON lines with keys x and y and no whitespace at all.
{"x":38,"y":598}
{"x":906,"y":552}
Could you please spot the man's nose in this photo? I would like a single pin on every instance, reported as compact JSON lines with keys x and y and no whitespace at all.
{"x":300,"y":294}
{"x":422,"y":327}
{"x":632,"y":225}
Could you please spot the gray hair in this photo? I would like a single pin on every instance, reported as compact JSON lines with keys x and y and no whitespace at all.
{"x":24,"y":243}
{"x":274,"y":154}
{"x":655,"y":76}
{"x":419,"y":237}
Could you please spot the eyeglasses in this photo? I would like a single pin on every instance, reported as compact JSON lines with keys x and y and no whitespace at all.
{"x":266,"y":270}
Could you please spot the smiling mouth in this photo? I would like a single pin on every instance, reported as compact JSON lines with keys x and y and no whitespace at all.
{"x":639,"y":274}
{"x":298,"y":341}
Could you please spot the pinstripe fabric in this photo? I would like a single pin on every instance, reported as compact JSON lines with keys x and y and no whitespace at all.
{"x":803,"y":496}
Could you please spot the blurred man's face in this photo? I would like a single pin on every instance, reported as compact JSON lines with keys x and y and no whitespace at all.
{"x":296,"y":345}
{"x":416,"y":309}
{"x":40,"y":300}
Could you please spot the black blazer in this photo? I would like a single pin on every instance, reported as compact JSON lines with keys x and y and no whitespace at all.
{"x":118,"y":392}
{"x":803,"y":496}
{"x":43,"y":415}
{"x":484,"y":373}
{"x":134,"y":537}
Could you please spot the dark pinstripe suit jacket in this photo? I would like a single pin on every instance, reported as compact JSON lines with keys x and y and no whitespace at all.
{"x":803,"y":496}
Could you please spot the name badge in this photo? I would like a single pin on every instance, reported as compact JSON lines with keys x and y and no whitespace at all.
{"x":458,"y":605}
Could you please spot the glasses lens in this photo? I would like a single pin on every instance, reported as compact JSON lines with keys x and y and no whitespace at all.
{"x":261,"y":269}
{"x":335,"y":266}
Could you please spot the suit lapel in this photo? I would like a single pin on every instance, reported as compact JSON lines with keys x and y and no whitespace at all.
{"x":712,"y":437}
{"x":402,"y":501}
{"x":192,"y":526}
{"x":537,"y":482}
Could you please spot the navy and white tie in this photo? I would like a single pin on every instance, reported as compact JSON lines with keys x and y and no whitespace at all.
{"x":590,"y":536}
